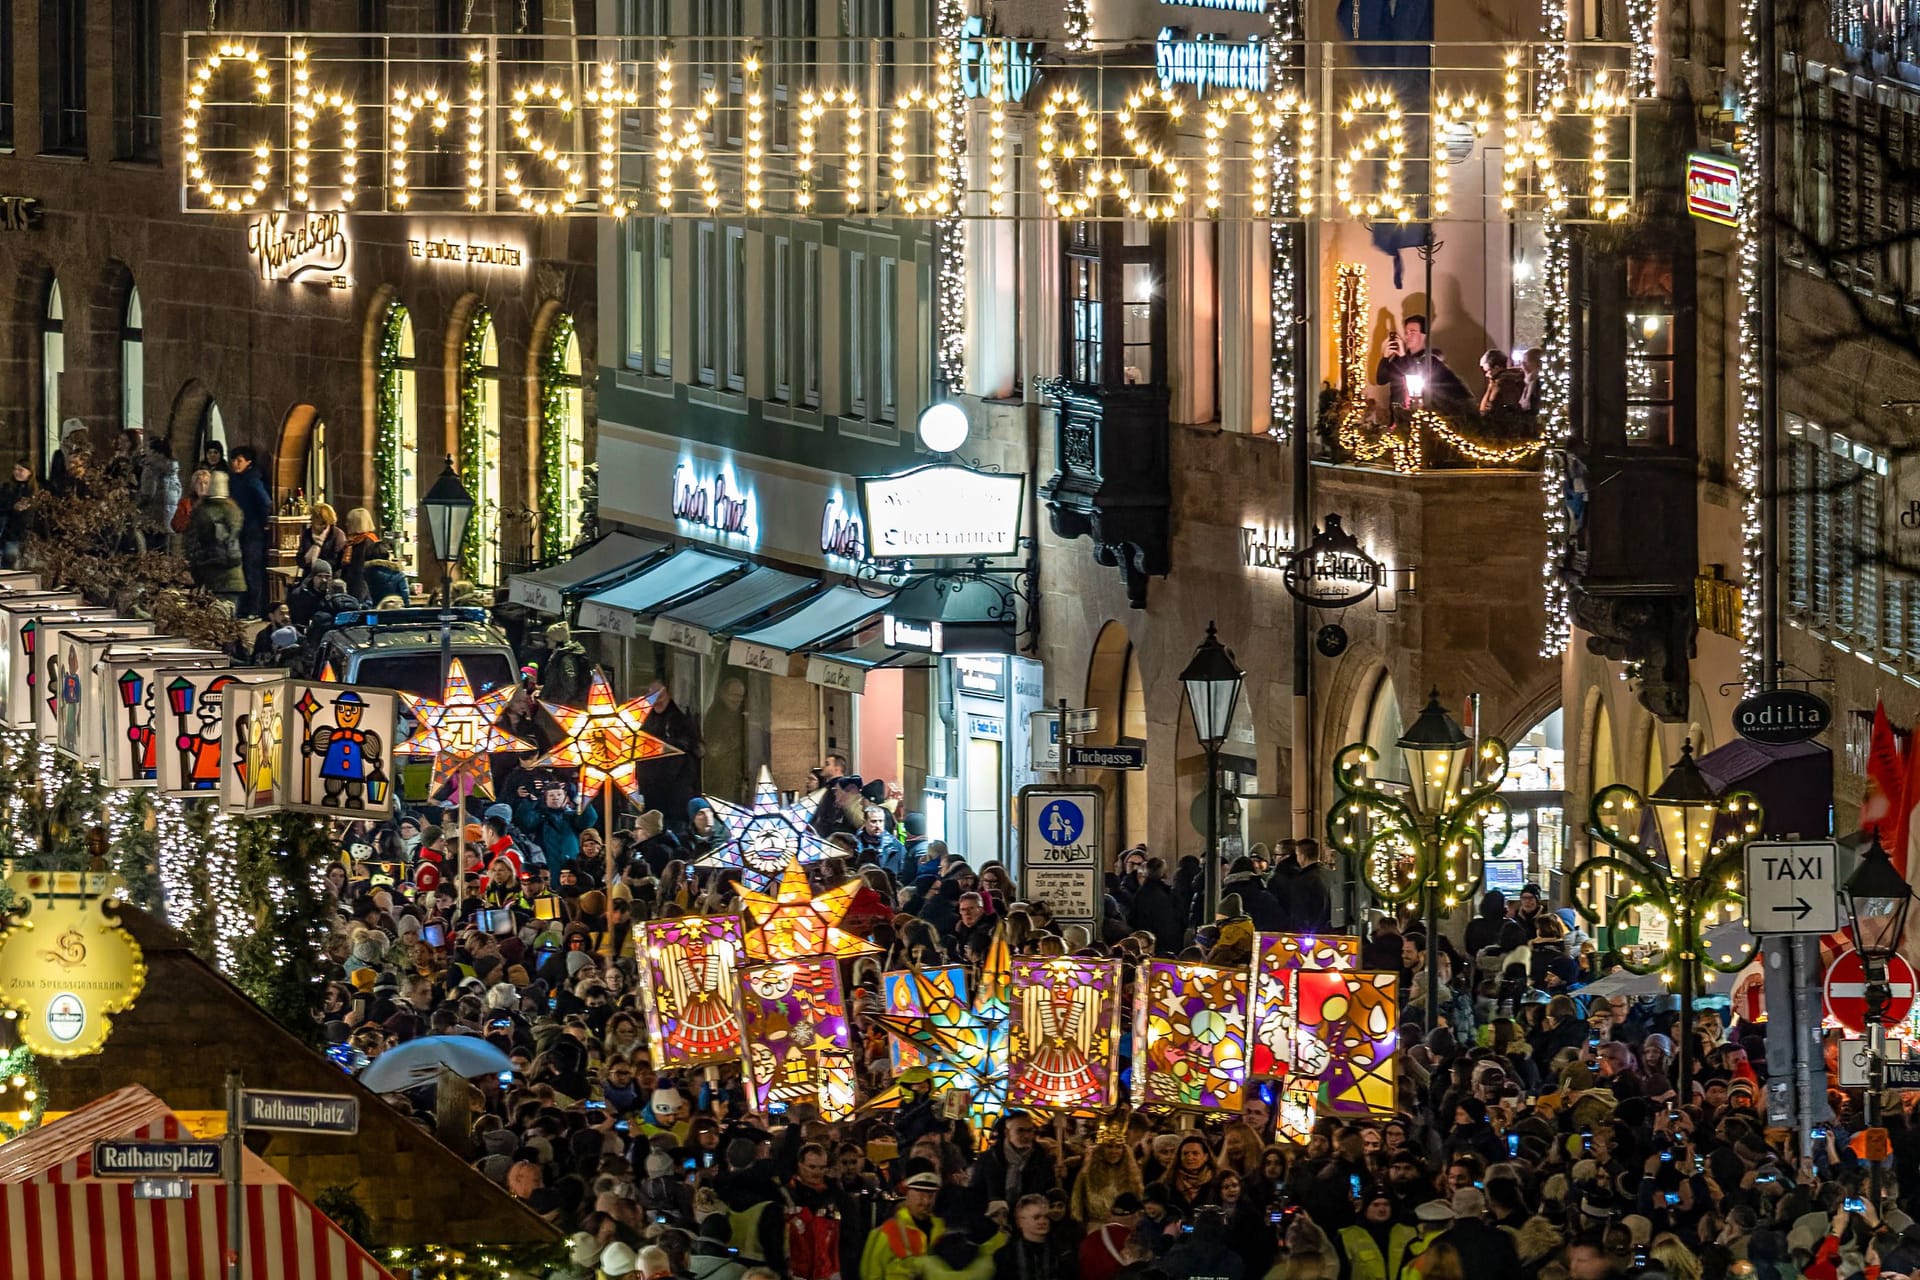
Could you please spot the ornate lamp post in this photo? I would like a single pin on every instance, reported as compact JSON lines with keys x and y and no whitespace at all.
{"x":1212,"y":680}
{"x":1431,"y":843}
{"x":1694,"y":875}
{"x":447,"y":511}
{"x":1877,"y":897}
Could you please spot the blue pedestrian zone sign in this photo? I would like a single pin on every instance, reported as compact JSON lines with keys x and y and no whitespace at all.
{"x":1061,"y":822}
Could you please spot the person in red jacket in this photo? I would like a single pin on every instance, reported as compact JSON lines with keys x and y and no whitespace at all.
{"x":1104,"y":1250}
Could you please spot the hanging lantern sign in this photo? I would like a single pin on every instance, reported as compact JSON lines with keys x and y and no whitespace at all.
{"x":66,"y":965}
{"x":1333,"y":570}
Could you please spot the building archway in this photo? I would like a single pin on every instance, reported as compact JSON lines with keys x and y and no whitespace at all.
{"x":1536,"y":793}
{"x":1115,"y":690}
{"x":302,"y":462}
{"x":562,"y":438}
{"x":479,"y":391}
{"x":396,"y":432}
{"x":53,"y":363}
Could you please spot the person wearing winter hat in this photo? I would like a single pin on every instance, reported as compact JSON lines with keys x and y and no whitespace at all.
{"x":1375,"y":1247}
{"x":618,"y":1260}
{"x":713,"y":1256}
{"x":671,"y":1113}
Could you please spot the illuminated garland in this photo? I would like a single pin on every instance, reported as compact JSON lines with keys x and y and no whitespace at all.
{"x":1642,"y":19}
{"x":558,"y":526}
{"x":1747,"y":450}
{"x":950,"y":236}
{"x":1078,"y":21}
{"x":388,"y":416}
{"x":474,"y":1262}
{"x":473,"y":412}
{"x":1555,"y":388}
{"x":1283,"y":232}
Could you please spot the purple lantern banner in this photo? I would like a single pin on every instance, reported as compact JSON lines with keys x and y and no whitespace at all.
{"x":692,"y":989}
{"x":1190,"y":1037}
{"x":1065,"y":1036}
{"x":795,"y":1011}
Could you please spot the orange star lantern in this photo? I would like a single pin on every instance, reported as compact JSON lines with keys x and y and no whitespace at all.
{"x":790,"y":922}
{"x":459,"y":732}
{"x":605,"y":741}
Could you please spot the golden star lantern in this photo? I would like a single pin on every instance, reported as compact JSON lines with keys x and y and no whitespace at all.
{"x":605,"y":740}
{"x":791,"y":922}
{"x":459,"y":731}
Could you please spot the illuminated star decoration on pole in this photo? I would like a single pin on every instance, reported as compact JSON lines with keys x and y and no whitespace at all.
{"x":766,"y":837}
{"x":460,"y":733}
{"x":966,"y":1047}
{"x":790,"y":922}
{"x":605,"y":741}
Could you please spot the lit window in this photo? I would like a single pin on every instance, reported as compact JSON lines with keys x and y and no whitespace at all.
{"x":397,"y":435}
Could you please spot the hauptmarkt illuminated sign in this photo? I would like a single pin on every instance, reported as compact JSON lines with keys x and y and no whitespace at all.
{"x":295,"y":246}
{"x":465,"y":253}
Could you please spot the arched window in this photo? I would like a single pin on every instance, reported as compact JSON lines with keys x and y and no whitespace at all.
{"x":563,"y":440}
{"x":396,"y":435}
{"x":53,"y":362}
{"x":480,"y":445}
{"x":133,"y":365}
{"x":213,"y":428}
{"x":1384,"y":727}
{"x":315,"y":475}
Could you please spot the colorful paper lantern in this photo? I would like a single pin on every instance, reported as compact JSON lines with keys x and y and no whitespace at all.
{"x":904,"y":993}
{"x":605,"y":740}
{"x":790,"y":921}
{"x":459,"y":731}
{"x":691,"y":989}
{"x":766,"y":836}
{"x":1347,"y":1036}
{"x":1190,"y":1037}
{"x":964,"y":1045}
{"x":795,"y":1013}
{"x":1064,"y":1037}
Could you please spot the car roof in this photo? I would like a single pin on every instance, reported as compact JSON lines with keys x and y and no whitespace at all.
{"x":466,"y":635}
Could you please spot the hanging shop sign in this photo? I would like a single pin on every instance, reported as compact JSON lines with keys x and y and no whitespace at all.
{"x":942,"y":511}
{"x":466,"y":253}
{"x":1333,"y":571}
{"x":847,"y":677}
{"x":294,"y":246}
{"x":911,"y":633}
{"x":1781,"y":716}
{"x":66,"y":965}
{"x":1713,"y":188}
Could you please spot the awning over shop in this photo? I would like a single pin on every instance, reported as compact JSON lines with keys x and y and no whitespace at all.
{"x":695,"y":626}
{"x":64,"y":1222}
{"x":1793,"y":783}
{"x":823,"y":620}
{"x":619,"y":609}
{"x":547,"y":589}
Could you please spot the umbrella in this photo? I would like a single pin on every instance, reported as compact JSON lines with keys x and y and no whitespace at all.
{"x":418,"y":1062}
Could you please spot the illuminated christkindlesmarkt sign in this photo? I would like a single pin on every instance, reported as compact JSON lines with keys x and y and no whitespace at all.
{"x":308,"y":126}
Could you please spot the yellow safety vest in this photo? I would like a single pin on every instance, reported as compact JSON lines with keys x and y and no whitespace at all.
{"x":1364,"y":1259}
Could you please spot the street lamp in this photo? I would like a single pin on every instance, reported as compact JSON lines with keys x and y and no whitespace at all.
{"x":1431,"y":844}
{"x":1213,"y":682}
{"x":447,"y":511}
{"x":1877,"y":900}
{"x":1695,"y":876}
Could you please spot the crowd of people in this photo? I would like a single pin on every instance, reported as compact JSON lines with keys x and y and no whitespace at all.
{"x":1539,"y":1132}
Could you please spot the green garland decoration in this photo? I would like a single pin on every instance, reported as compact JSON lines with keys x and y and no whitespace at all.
{"x":388,"y":414}
{"x":474,"y":1262}
{"x":21,"y":1093}
{"x":472,"y":384}
{"x":281,"y":862}
{"x":558,"y":526}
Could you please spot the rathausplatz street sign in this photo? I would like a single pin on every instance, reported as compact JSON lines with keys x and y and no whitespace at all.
{"x":1792,"y":886}
{"x":300,"y":1112}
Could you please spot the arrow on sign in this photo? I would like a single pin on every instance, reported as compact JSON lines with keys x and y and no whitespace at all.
{"x":1800,"y":908}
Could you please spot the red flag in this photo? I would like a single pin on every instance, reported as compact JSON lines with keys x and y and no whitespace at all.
{"x":1906,"y":831}
{"x":1885,"y":800}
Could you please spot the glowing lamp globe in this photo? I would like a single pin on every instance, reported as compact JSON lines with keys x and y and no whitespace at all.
{"x":943,"y":426}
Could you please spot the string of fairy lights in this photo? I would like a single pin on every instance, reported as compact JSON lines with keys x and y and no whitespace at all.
{"x":1747,"y":445}
{"x":1556,"y":356}
{"x":1284,"y":162}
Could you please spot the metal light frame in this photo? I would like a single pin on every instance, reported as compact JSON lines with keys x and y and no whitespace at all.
{"x":1704,"y":878}
{"x":1407,"y":850}
{"x":447,"y":510}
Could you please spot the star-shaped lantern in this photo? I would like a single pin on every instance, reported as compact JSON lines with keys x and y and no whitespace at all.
{"x":766,"y":837}
{"x":790,"y":922}
{"x":605,"y":740}
{"x":965,"y":1045}
{"x":459,"y":732}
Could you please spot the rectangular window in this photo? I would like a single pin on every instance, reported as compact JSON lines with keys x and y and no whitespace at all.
{"x":1836,"y":492}
{"x":887,"y":322}
{"x":136,"y":80}
{"x":736,"y":303}
{"x":1083,"y":294}
{"x":1650,"y":354}
{"x":857,"y":334}
{"x":63,"y":76}
{"x":705,"y":263}
{"x":809,"y":323}
{"x":638,"y":302}
{"x":6,"y":75}
{"x":782,"y":295}
{"x":662,"y":318}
